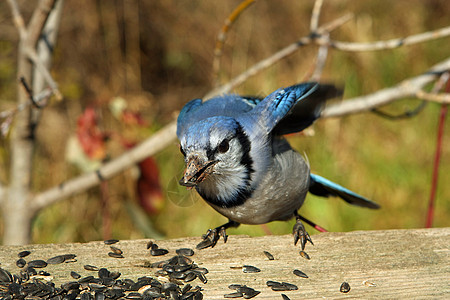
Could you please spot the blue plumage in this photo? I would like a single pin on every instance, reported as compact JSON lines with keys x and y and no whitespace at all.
{"x":238,"y":161}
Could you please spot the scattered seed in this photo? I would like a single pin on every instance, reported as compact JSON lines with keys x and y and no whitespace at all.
{"x":158,"y":252}
{"x":368,"y":283}
{"x":21,"y":263}
{"x":285,"y":297}
{"x":5,"y":276}
{"x":75,"y":275}
{"x":103,"y":273}
{"x":271,"y":283}
{"x":300,"y":273}
{"x":233,"y":295}
{"x":204,"y":244}
{"x":56,"y":260}
{"x":38,"y":263}
{"x":86,"y":279}
{"x":24,"y":253}
{"x":251,"y":294}
{"x":345,"y":287}
{"x":190,"y":277}
{"x":110,"y":242}
{"x":185,"y":251}
{"x":250,"y":269}
{"x":149,"y":244}
{"x":116,"y":250}
{"x":202,"y":278}
{"x":115,"y":255}
{"x":290,"y":286}
{"x":90,"y":268}
{"x":281,"y":286}
{"x":269,"y":256}
{"x":304,"y":254}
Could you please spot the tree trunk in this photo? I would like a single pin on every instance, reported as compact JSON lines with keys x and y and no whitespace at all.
{"x":17,"y":211}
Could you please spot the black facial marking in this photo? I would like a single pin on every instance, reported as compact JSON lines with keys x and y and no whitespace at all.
{"x":182,"y":151}
{"x":244,"y":191}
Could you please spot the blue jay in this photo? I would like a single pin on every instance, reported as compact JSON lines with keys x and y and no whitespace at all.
{"x":240,"y":164}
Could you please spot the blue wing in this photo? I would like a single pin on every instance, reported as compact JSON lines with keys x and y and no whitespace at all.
{"x":323,"y":187}
{"x":284,"y":111}
{"x":272,"y":109}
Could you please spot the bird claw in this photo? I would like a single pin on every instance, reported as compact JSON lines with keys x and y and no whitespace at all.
{"x":300,"y":233}
{"x":212,"y":236}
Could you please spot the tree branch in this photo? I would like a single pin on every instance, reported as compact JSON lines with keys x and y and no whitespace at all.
{"x":157,"y":142}
{"x":37,"y":21}
{"x":383,"y":45}
{"x":407,"y":88}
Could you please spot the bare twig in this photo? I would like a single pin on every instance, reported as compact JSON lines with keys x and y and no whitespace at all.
{"x":314,"y":25}
{"x":223,"y":33}
{"x":321,"y":59}
{"x":32,"y":54}
{"x":37,"y":21}
{"x":407,"y":88}
{"x":18,"y":19}
{"x":383,"y":45}
{"x":442,"y":98}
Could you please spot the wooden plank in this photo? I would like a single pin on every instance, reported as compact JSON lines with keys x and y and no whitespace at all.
{"x":400,"y":263}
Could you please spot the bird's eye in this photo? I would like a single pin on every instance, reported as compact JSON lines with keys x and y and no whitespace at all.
{"x":182,"y":151}
{"x":223,"y":146}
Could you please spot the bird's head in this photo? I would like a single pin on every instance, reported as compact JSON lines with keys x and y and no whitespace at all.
{"x":217,"y":156}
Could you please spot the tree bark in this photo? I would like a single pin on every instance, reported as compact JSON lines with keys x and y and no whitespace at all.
{"x":17,"y":211}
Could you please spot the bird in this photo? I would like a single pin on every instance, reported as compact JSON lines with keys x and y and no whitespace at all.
{"x":239,"y":162}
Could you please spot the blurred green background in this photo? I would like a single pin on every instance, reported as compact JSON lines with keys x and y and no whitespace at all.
{"x":157,"y":55}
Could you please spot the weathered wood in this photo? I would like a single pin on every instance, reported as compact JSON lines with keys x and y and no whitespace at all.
{"x":401,"y":263}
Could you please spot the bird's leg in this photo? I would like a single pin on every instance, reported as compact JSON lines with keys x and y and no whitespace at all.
{"x":300,"y":233}
{"x":212,"y":235}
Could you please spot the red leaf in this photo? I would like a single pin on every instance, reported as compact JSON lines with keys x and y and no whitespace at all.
{"x":91,"y":138}
{"x":149,"y":188}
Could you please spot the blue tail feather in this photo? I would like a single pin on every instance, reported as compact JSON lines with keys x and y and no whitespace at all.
{"x":323,"y":187}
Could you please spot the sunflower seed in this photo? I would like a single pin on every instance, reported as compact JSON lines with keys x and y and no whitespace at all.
{"x":300,"y":273}
{"x":304,"y":254}
{"x":75,"y":275}
{"x":56,"y":260}
{"x":368,"y":283}
{"x":110,"y":242}
{"x":345,"y":287}
{"x":38,"y":263}
{"x":21,"y":263}
{"x":158,"y":252}
{"x":90,"y":268}
{"x":251,"y":294}
{"x":149,"y":244}
{"x":233,"y":295}
{"x":250,"y":269}
{"x":24,"y":253}
{"x":116,"y":250}
{"x":285,"y":297}
{"x":185,"y":251}
{"x":115,"y":255}
{"x":269,"y":256}
{"x":103,"y":273}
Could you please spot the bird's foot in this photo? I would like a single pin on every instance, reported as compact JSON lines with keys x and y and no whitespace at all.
{"x":211,"y":237}
{"x":300,"y":233}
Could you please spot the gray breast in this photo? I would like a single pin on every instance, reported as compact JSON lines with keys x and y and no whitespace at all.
{"x":280,"y":193}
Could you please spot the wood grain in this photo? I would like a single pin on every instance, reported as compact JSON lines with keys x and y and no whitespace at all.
{"x":400,"y":263}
